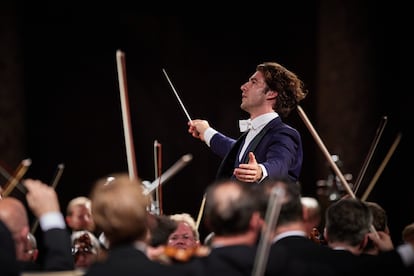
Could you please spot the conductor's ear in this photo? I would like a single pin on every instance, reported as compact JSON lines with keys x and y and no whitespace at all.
{"x":271,"y":95}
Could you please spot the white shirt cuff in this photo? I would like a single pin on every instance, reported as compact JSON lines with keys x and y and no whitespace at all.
{"x":264,"y":172}
{"x":52,"y":220}
{"x":406,"y":252}
{"x":208,"y":134}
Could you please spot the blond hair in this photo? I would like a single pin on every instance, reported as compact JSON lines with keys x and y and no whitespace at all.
{"x":78,"y":201}
{"x":188,"y":219}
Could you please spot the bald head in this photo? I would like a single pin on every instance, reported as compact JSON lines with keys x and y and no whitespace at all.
{"x":14,"y":216}
{"x":229,"y":207}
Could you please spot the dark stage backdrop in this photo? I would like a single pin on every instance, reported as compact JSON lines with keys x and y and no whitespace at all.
{"x":73,"y":110}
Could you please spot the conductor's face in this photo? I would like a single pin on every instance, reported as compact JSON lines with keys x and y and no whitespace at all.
{"x":254,"y":94}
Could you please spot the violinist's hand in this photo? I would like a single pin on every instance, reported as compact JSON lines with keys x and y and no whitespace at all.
{"x":158,"y":254}
{"x":197,"y":128}
{"x":41,"y":198}
{"x":382,"y":240}
{"x":250,"y":172}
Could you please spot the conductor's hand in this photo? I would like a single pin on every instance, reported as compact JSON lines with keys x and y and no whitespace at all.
{"x":197,"y":128}
{"x":250,"y":172}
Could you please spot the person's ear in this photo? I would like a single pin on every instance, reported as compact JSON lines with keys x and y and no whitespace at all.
{"x":68,"y":220}
{"x":271,"y":95}
{"x":325,"y":235}
{"x":35,"y":254}
{"x":364,"y":242}
{"x":305,"y":213}
{"x":256,"y":220}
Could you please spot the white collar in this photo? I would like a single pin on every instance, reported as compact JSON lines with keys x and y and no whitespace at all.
{"x":257,"y":122}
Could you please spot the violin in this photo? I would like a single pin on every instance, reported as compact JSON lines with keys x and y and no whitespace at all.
{"x":184,"y":255}
{"x":83,"y":245}
{"x":171,"y":254}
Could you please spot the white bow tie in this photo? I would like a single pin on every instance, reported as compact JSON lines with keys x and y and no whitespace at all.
{"x":245,"y":125}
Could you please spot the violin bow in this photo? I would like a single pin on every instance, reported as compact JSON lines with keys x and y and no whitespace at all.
{"x":201,"y":211}
{"x":158,"y":169}
{"x":55,"y":181}
{"x":178,"y":165}
{"x":7,"y":175}
{"x":14,"y":180}
{"x":325,"y":151}
{"x":374,"y":144}
{"x":271,"y":218}
{"x":122,"y":79}
{"x":381,"y":167}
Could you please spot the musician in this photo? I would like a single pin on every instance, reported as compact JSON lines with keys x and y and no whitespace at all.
{"x":408,"y":233}
{"x":347,"y":230}
{"x":408,"y":237}
{"x":292,"y":252}
{"x":379,"y":222}
{"x":78,"y":214}
{"x":268,"y":146}
{"x":161,"y":226}
{"x":312,"y":215}
{"x":44,"y":204}
{"x":232,"y":213}
{"x":120,"y":210}
{"x":8,"y":261}
{"x":186,"y":234}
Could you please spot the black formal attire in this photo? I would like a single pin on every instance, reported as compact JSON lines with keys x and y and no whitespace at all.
{"x":277,"y":146}
{"x":347,"y":263}
{"x":8,"y":261}
{"x":235,"y":260}
{"x":127,"y":260}
{"x":56,"y":251}
{"x":298,"y":255}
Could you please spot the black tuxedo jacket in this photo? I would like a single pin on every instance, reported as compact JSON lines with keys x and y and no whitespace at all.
{"x":234,"y":260}
{"x":126,"y":260}
{"x":57,"y":254}
{"x":298,"y":255}
{"x":8,"y":261}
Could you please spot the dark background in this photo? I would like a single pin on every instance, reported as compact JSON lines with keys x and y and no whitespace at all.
{"x":349,"y":54}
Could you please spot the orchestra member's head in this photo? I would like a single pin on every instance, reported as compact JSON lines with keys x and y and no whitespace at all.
{"x":186,"y":234}
{"x":119,"y":210}
{"x":78,"y":214}
{"x":13,"y":214}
